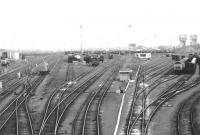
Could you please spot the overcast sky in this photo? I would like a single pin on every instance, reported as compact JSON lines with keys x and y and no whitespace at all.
{"x":55,"y":24}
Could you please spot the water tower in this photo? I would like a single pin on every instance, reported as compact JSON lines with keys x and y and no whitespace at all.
{"x":193,"y":39}
{"x":182,"y":39}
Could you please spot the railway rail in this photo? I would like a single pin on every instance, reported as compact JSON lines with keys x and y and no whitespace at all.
{"x":24,"y":120}
{"x":141,"y":95}
{"x":155,"y":66}
{"x":54,"y":118}
{"x":164,"y":97}
{"x":8,"y":113}
{"x":16,"y":115}
{"x":14,"y":82}
{"x":185,"y":119}
{"x":91,"y":118}
{"x":70,"y":72}
{"x":59,"y":93}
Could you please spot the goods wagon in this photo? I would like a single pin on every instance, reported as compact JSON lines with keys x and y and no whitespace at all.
{"x":175,"y":57}
{"x":87,"y":59}
{"x":72,"y":58}
{"x":101,"y":58}
{"x":44,"y":68}
{"x":94,"y":61}
{"x":190,"y":66}
{"x":110,"y":56}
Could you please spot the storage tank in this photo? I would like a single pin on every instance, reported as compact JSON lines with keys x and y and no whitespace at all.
{"x":193,"y":39}
{"x":183,"y":39}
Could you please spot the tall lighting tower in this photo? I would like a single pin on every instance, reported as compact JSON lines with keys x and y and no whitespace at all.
{"x":129,"y":27}
{"x":81,"y":44}
{"x":131,"y":45}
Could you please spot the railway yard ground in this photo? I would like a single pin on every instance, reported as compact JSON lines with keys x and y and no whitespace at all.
{"x":80,"y":99}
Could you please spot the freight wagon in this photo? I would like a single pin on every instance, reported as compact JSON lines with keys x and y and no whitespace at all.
{"x":110,"y":56}
{"x":94,"y":61}
{"x":101,"y":58}
{"x":72,"y":57}
{"x":190,"y":66}
{"x":44,"y":68}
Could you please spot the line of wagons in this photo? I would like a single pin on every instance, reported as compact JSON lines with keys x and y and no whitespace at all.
{"x":93,"y":60}
{"x":183,"y":64}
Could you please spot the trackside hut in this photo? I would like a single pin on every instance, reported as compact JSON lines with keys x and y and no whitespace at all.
{"x":125,"y":75}
{"x":143,"y":55}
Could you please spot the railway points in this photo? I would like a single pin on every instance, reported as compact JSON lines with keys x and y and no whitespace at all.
{"x":67,"y":97}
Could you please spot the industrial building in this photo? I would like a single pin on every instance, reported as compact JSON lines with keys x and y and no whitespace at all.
{"x":143,"y":55}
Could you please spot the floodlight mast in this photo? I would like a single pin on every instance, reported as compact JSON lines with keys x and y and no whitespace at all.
{"x":129,"y":37}
{"x":81,"y":38}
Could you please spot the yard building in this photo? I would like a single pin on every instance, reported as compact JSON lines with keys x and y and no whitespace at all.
{"x":125,"y":75}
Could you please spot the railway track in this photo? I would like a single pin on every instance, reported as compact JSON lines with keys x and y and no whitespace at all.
{"x":24,"y":120}
{"x":70,"y":72}
{"x":163,"y":98}
{"x":150,"y":72}
{"x":13,"y":85}
{"x":4,"y":93}
{"x":185,"y":119}
{"x":88,"y":119}
{"x":12,"y":74}
{"x":139,"y":99}
{"x":53,"y":119}
{"x":16,"y":115}
{"x":155,"y":67}
{"x":8,"y":114}
{"x":61,"y":92}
